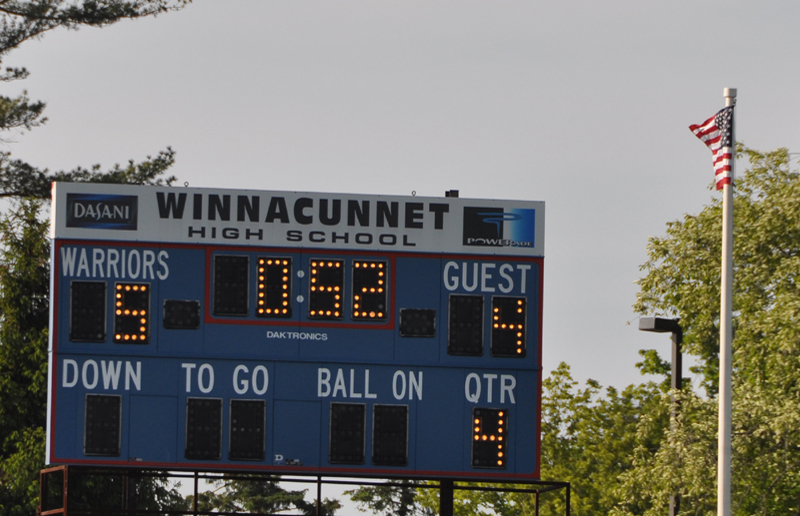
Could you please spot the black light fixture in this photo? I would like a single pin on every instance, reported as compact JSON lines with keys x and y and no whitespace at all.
{"x":666,"y":325}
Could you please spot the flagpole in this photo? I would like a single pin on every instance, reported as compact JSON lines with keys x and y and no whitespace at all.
{"x":725,"y":349}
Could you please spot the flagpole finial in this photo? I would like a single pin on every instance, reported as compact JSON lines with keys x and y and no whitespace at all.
{"x":730,"y":96}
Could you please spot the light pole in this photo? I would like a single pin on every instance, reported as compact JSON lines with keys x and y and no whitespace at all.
{"x":664,"y":325}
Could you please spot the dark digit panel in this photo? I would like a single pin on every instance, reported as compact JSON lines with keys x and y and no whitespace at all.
{"x":231,"y":278}
{"x":390,"y":435}
{"x":248,"y":421}
{"x":347,"y":433}
{"x":369,"y":290}
{"x":87,"y":318}
{"x":274,"y":288}
{"x":417,"y":322}
{"x":181,"y":315}
{"x":465,"y":329}
{"x":102,"y":429}
{"x":508,"y":326}
{"x":489,"y":438}
{"x":203,"y":429}
{"x":132,"y":313}
{"x":326,"y":289}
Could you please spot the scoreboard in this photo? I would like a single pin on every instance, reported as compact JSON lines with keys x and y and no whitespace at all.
{"x":290,"y":332}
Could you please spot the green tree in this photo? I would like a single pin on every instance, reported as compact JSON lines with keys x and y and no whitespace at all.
{"x":395,"y":499}
{"x":24,"y":307}
{"x":24,"y":273}
{"x":682,"y":279}
{"x":114,"y":491}
{"x":588,"y":437}
{"x":259,"y":495}
{"x":24,"y":249}
{"x":22,"y":20}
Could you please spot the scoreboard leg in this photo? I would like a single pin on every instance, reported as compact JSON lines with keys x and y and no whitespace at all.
{"x":445,"y":498}
{"x":319,"y":496}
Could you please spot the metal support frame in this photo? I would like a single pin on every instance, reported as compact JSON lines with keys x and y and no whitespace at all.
{"x":546,"y":487}
{"x":54,"y":492}
{"x":52,"y":483}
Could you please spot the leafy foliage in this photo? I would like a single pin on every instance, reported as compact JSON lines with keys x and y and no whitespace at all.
{"x":259,"y":495}
{"x":682,"y":279}
{"x":588,"y":437}
{"x":24,"y":280}
{"x":19,"y":179}
{"x":24,"y":249}
{"x":393,"y":499}
{"x":113,"y":492}
{"x":21,"y":20}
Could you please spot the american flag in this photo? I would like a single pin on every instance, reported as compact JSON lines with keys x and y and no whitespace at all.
{"x":717,"y":134}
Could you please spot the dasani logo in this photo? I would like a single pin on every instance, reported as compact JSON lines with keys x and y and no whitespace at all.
{"x":98,"y":211}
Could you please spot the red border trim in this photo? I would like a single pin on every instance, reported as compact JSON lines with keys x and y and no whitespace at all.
{"x":210,"y":319}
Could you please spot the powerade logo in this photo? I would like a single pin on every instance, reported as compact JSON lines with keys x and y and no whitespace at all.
{"x":498,"y":227}
{"x":98,"y":211}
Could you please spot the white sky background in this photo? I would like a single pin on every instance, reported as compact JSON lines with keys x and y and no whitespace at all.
{"x":584,"y":105}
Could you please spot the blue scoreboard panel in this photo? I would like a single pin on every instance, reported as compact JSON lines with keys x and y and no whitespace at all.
{"x":302,"y":333}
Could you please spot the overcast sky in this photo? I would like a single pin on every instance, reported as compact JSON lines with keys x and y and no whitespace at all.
{"x":584,"y":105}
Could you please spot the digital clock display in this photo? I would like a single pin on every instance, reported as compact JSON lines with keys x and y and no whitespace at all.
{"x":274,"y":287}
{"x":489,"y":437}
{"x":326,"y":289}
{"x":508,"y":326}
{"x":88,"y":311}
{"x":297,"y":333}
{"x":131,"y":313}
{"x":369,"y":290}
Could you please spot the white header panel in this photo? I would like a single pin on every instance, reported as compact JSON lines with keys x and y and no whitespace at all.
{"x":297,"y":219}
